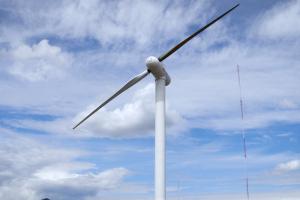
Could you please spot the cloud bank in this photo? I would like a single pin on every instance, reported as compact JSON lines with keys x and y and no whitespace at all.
{"x":38,"y":62}
{"x":134,"y":119}
{"x":37,"y":171}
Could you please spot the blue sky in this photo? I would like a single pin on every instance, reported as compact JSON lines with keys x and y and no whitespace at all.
{"x":60,"y":59}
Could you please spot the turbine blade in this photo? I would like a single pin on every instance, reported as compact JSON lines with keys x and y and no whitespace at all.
{"x":125,"y":87}
{"x":183,"y":42}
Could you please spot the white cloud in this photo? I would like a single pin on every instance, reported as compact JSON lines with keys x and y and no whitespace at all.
{"x":288,"y":166}
{"x":286,"y":103}
{"x":40,"y":61}
{"x":38,"y":170}
{"x":63,"y":176}
{"x":134,"y":119}
{"x":135,"y":22}
{"x":280,"y":22}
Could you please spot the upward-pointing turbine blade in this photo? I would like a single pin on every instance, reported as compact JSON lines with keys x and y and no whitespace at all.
{"x":125,"y":87}
{"x":171,"y":51}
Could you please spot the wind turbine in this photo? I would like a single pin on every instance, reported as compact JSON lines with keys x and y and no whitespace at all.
{"x":162,"y":79}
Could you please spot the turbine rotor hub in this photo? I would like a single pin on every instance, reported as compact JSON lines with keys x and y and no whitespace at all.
{"x":157,"y":70}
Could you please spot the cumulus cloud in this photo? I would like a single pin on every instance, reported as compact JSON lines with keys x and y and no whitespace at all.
{"x":112,"y":21}
{"x":71,"y":186}
{"x":40,"y":61}
{"x":292,"y":165}
{"x":37,"y":170}
{"x":280,"y":22}
{"x":134,"y":119}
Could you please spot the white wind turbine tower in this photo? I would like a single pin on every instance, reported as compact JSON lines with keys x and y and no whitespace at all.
{"x":162,"y":79}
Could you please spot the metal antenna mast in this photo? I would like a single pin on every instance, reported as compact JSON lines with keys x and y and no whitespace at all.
{"x":243,"y":131}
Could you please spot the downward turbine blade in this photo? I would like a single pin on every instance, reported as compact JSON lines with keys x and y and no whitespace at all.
{"x":183,"y":42}
{"x":125,"y":87}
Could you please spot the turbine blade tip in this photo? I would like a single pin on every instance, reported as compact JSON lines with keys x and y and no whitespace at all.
{"x":75,"y":127}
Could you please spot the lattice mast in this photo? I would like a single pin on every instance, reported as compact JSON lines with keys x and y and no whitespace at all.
{"x":243,"y":132}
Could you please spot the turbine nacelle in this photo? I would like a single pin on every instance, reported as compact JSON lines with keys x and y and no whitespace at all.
{"x":155,"y":67}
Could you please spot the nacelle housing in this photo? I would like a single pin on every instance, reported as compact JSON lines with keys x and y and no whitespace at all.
{"x":157,"y":69}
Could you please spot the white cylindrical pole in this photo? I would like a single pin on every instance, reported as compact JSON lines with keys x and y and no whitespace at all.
{"x":160,"y":135}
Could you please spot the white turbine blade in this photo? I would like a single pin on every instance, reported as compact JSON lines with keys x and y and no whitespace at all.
{"x":125,"y":87}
